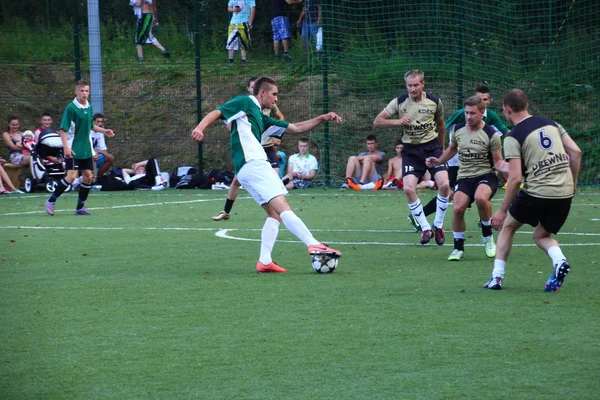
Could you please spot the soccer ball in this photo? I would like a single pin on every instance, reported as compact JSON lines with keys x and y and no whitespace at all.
{"x":324,"y":264}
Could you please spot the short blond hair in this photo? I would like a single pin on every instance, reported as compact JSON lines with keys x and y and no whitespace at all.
{"x":414,"y":73}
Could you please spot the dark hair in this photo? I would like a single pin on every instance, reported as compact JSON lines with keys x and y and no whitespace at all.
{"x":398,"y":142}
{"x":303,"y":140}
{"x":263,"y":82}
{"x":482,"y":89}
{"x":47,"y":115}
{"x":372,"y":137}
{"x":475,"y":101}
{"x":11,"y":118}
{"x":97,"y":115}
{"x":252,"y":79}
{"x":516,"y":100}
{"x":81,"y":82}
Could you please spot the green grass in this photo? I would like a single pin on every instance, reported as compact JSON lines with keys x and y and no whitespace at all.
{"x":143,"y":301}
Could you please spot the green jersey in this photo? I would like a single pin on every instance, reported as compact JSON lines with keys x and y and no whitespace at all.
{"x":475,"y":150}
{"x":489,"y":117}
{"x":77,"y":122}
{"x":537,"y":141}
{"x":247,"y":125}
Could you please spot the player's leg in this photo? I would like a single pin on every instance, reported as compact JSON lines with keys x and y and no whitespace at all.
{"x":85,"y":187}
{"x":353,"y":173}
{"x":441,"y":179}
{"x":232,"y":194}
{"x":268,"y":238}
{"x":62,"y":185}
{"x":483,"y":194}
{"x":503,"y":248}
{"x":461,"y":203}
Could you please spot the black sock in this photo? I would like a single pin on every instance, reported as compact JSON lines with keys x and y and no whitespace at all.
{"x":430,"y":207}
{"x":231,"y":60}
{"x":486,"y":230}
{"x":84,"y":190}
{"x":459,"y":244}
{"x":60,"y":189}
{"x":228,"y":206}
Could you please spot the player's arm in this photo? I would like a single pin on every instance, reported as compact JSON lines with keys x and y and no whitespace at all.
{"x":446,"y":155}
{"x":499,"y":164}
{"x":139,"y":164}
{"x":208,"y":120}
{"x":68,"y":153}
{"x":278,"y":115}
{"x":389,"y":171}
{"x":574,"y":153}
{"x":310,"y":175}
{"x":301,"y":17}
{"x":251,"y":19}
{"x":512,"y":188}
{"x":441,"y":130}
{"x":305,"y":126}
{"x":9,"y":143}
{"x":106,"y":132}
{"x":385,"y":120}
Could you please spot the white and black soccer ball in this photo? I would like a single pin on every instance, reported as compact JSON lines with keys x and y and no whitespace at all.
{"x":323,"y":264}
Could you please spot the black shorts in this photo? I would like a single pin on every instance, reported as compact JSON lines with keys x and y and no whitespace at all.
{"x":452,"y":176}
{"x":469,"y":185}
{"x":414,"y":156}
{"x":272,"y":156}
{"x":79,"y":164}
{"x":551,"y":213}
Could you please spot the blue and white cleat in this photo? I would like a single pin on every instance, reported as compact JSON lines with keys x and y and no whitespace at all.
{"x":557,"y":278}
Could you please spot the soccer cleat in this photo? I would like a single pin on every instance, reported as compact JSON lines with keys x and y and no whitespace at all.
{"x":558,"y":276}
{"x":352,"y":184}
{"x":426,"y":236}
{"x":82,"y":211}
{"x":344,"y":186}
{"x":490,"y":246}
{"x":272,"y":267}
{"x":493,"y":283}
{"x":50,"y":207}
{"x":440,"y":236}
{"x":378,"y":184}
{"x":322,"y":249}
{"x":221,"y":215}
{"x":456,"y":255}
{"x":415,"y":223}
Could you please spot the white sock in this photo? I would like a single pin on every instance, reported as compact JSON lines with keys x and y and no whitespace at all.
{"x":297,"y":227}
{"x":556,"y":254}
{"x":459,"y":235}
{"x":440,"y":211}
{"x":498,"y":271}
{"x":268,"y":237}
{"x":416,"y":209}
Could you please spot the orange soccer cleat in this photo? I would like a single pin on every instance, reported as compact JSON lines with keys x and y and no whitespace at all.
{"x":272,"y":267}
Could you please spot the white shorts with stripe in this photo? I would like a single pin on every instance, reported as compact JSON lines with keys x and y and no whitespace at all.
{"x":261,"y":181}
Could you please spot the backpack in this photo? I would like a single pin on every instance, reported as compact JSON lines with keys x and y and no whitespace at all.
{"x":216,"y":176}
{"x":193,"y":181}
{"x":179,"y":173}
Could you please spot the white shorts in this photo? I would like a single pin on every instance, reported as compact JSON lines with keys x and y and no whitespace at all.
{"x":261,"y":181}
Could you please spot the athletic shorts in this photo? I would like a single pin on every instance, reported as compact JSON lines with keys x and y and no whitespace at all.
{"x":452,"y":176}
{"x":550,"y":213}
{"x":414,"y":156}
{"x":281,"y":28}
{"x":100,"y":161}
{"x":469,"y":185}
{"x":238,"y":36}
{"x":143,"y":30}
{"x":272,"y":156}
{"x":261,"y":181}
{"x":79,"y":164}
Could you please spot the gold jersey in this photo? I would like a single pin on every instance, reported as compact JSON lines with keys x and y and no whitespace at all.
{"x":423,"y":114}
{"x":475,"y":150}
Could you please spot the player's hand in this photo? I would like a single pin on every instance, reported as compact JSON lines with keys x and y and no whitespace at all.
{"x":109,"y":133}
{"x":68,"y":152}
{"x":197,"y":135}
{"x":95,"y":156}
{"x":498,"y":219}
{"x":331,"y":117}
{"x":405,"y":120}
{"x":432,"y":162}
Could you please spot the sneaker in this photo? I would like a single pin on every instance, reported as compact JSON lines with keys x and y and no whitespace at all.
{"x":378,"y":184}
{"x":322,"y":249}
{"x":415,"y":224}
{"x":287,"y":56}
{"x":221,"y":215}
{"x":391,"y":185}
{"x":158,"y":187}
{"x":50,"y":207}
{"x":17,"y":192}
{"x":344,"y":186}
{"x":456,"y":255}
{"x":260,"y":267}
{"x":490,"y":246}
{"x":493,"y":283}
{"x":82,"y":211}
{"x":440,"y":236}
{"x":426,"y":236}
{"x":166,"y":53}
{"x":558,"y":276}
{"x":76,"y":183}
{"x":352,"y":183}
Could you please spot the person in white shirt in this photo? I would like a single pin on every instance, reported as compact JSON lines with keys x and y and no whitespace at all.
{"x":302,"y":168}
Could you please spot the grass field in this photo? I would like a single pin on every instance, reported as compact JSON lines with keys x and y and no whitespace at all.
{"x":151,"y":299}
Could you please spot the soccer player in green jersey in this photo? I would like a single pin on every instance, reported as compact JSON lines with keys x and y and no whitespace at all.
{"x":479,"y":151}
{"x":254,"y":171}
{"x":550,"y":160}
{"x":74,"y":131}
